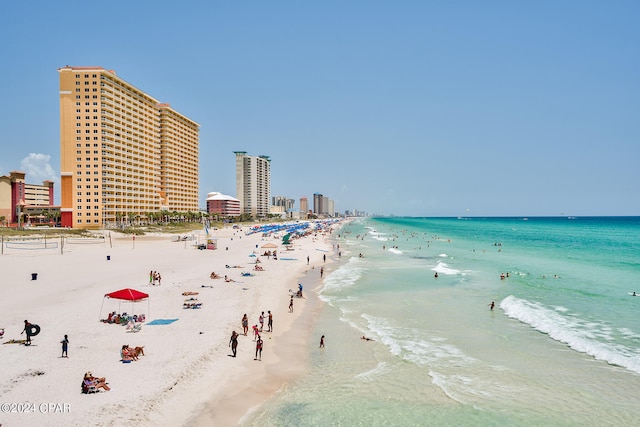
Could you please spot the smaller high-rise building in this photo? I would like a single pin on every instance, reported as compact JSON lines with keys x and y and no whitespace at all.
{"x":304,"y":205}
{"x":253,"y":184}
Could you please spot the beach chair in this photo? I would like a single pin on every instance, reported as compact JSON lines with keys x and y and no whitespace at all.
{"x":88,"y":388}
{"x":132,"y":327}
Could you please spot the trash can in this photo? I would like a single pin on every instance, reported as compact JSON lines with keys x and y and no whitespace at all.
{"x":34,"y":276}
{"x":108,"y":257}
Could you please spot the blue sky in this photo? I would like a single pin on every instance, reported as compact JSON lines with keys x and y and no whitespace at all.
{"x":418,"y":108}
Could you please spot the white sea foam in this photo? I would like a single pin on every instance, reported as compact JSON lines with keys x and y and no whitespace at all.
{"x":381,"y":369}
{"x":344,"y":277}
{"x":443,"y":268}
{"x":588,"y":337}
{"x":395,"y":251}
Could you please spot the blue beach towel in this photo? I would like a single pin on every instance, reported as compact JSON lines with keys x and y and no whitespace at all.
{"x":161,"y":321}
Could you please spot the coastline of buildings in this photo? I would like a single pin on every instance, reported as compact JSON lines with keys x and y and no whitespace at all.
{"x":126,"y":158}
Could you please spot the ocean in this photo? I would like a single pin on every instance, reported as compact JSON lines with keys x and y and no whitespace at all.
{"x":561,"y":347}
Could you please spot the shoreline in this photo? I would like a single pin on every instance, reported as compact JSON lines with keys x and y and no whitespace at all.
{"x":256,"y":386}
{"x":185,"y":368}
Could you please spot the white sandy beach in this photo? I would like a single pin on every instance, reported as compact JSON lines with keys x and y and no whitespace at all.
{"x":186,"y":377}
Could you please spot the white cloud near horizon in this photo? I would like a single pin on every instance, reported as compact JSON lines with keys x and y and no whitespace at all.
{"x":37,"y":168}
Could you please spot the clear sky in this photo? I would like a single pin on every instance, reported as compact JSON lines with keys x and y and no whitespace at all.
{"x":417,"y":108}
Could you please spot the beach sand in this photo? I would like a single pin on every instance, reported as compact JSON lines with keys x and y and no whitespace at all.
{"x":186,"y":376}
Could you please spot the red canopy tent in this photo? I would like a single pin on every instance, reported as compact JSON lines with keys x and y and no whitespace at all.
{"x":127,"y":294}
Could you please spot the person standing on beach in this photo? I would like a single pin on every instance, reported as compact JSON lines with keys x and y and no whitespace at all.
{"x":322,"y":341}
{"x":245,"y":324}
{"x":291,"y":304}
{"x":270,"y":322}
{"x":65,"y":344}
{"x":324,"y":258}
{"x":233,"y":343}
{"x":27,"y":329}
{"x":151,"y":277}
{"x":321,"y":271}
{"x":261,"y":321}
{"x":307,"y":259}
{"x":258,"y":349}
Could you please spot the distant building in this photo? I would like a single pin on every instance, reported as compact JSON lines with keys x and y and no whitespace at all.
{"x":123,"y":154}
{"x":304,"y":205}
{"x":323,"y":206}
{"x":221,"y":204}
{"x":31,"y":201}
{"x":253,"y":184}
{"x":287,"y":205}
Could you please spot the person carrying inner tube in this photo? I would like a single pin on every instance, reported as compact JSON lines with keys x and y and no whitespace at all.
{"x":27,"y":329}
{"x":31,"y":330}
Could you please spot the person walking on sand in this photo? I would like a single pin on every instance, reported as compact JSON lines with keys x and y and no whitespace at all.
{"x":150,"y":277}
{"x":321,"y":271}
{"x":258,"y":349}
{"x":291,"y":305}
{"x":322,"y":341}
{"x":256,"y":332}
{"x":245,"y":324}
{"x":270,"y":322}
{"x":65,"y":344}
{"x":233,"y":343}
{"x":307,"y":259}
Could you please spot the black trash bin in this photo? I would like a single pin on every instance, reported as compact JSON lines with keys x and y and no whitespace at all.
{"x":34,"y":276}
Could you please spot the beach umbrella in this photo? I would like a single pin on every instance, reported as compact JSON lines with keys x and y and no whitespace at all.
{"x":127,"y":294}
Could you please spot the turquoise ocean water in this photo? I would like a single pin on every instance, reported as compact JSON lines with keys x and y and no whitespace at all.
{"x":561,"y":347}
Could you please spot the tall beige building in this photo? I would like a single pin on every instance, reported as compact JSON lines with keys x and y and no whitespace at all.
{"x":253,"y":184}
{"x":123,"y":154}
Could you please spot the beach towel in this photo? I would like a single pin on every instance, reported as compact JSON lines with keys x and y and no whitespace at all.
{"x":161,"y":321}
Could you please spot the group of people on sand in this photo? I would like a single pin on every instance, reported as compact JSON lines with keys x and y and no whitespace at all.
{"x":128,"y":354}
{"x":154,"y":277}
{"x":123,"y":319}
{"x":233,"y":341}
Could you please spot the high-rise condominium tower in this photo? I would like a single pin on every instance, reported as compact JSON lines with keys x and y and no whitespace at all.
{"x":253,"y":183}
{"x":123,"y":154}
